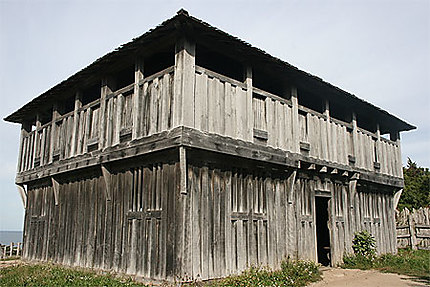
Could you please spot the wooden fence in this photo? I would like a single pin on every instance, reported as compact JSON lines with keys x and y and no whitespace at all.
{"x":13,"y":249}
{"x":413,"y":228}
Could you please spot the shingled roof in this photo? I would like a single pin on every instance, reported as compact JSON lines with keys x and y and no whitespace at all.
{"x":200,"y":29}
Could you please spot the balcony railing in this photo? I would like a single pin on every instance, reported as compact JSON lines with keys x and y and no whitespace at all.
{"x":79,"y":132}
{"x":222,"y":106}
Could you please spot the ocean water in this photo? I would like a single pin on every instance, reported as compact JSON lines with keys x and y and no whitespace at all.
{"x":6,"y":237}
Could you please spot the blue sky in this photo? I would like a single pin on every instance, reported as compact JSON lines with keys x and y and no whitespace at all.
{"x":377,"y":50}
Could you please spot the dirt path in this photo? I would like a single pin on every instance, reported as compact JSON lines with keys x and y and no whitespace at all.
{"x":337,"y":277}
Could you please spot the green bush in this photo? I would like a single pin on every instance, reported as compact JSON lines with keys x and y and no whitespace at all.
{"x":364,"y":244}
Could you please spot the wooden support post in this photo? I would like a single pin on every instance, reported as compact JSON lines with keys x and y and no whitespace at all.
{"x":330,"y":145}
{"x":354,"y":137}
{"x":36,"y":139}
{"x":378,"y":144}
{"x":249,"y":112}
{"x":183,"y":167}
{"x":183,"y":102}
{"x":295,"y":120}
{"x":137,"y":99}
{"x":354,"y":204}
{"x":54,"y":137}
{"x":107,"y":179}
{"x":23,"y":193}
{"x":76,"y":120}
{"x":107,"y":86}
{"x":56,"y":188}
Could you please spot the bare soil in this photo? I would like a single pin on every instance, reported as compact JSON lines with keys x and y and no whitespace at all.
{"x":337,"y":277}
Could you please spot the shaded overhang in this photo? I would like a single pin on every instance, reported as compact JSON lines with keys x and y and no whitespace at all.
{"x":184,"y":25}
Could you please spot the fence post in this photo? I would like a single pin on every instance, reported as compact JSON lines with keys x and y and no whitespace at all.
{"x":412,"y":231}
{"x":11,"y":249}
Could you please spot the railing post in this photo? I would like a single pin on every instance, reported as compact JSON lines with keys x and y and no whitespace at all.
{"x":54,"y":138}
{"x":330,"y":147}
{"x":354,"y":137}
{"x":378,"y":155}
{"x":36,"y":139}
{"x":249,"y":112}
{"x":137,"y":99}
{"x":295,"y":120}
{"x":76,"y":120}
{"x":107,"y":87}
{"x":185,"y":51}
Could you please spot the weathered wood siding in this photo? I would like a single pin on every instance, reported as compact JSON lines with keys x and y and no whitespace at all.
{"x":221,"y":107}
{"x":239,"y":217}
{"x":225,"y":221}
{"x":155,"y":108}
{"x":133,"y":232}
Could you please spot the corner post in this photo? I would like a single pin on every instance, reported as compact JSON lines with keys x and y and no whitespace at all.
{"x":137,"y":119}
{"x":25,"y":130}
{"x":295,"y":120}
{"x":395,"y":136}
{"x":185,"y":51}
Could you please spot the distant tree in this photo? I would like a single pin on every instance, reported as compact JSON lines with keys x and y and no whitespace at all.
{"x":416,"y":192}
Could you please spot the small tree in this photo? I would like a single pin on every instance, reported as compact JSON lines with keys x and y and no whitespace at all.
{"x":416,"y":192}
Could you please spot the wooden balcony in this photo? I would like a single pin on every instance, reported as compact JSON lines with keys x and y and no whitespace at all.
{"x":225,"y":108}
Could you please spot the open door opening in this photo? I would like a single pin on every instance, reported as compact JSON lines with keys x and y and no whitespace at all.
{"x":323,"y":234}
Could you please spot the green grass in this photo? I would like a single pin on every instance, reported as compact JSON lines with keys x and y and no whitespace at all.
{"x":415,"y":263}
{"x":53,"y":275}
{"x":292,"y":273}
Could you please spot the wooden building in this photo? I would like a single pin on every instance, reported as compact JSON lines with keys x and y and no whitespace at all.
{"x":189,"y":154}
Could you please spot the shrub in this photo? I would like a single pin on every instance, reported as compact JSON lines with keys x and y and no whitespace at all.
{"x":292,"y":273}
{"x":364,"y":244}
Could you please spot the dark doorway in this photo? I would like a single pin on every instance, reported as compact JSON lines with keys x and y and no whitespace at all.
{"x":323,"y":235}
